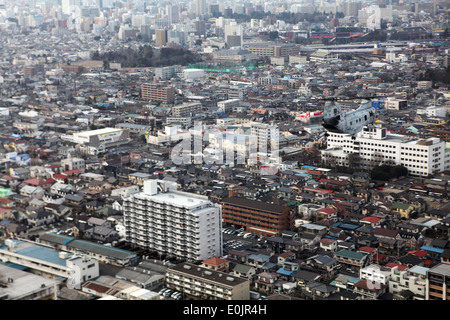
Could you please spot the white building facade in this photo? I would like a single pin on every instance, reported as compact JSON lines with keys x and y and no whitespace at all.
{"x":375,"y":146}
{"x":180,"y":224}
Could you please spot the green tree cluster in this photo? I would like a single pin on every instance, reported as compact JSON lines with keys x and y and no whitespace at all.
{"x":145,"y":56}
{"x":386,"y":172}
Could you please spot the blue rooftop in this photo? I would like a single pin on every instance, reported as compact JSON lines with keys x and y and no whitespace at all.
{"x":287,"y":272}
{"x":432,"y":249}
{"x":37,"y":252}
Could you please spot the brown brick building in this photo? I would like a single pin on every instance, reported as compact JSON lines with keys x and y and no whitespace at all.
{"x":258,"y":217}
{"x":157,"y":93}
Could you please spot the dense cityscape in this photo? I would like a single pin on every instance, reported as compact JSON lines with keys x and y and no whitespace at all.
{"x":245,"y":150}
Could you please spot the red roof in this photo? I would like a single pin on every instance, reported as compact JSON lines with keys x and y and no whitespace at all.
{"x":367,"y":249}
{"x":215,"y":261}
{"x":9,"y":178}
{"x":400,"y":266}
{"x":59,"y":176}
{"x":35,"y":182}
{"x":380,"y":257}
{"x":419,"y":253}
{"x":327,"y":210}
{"x":71,"y":172}
{"x":371,"y":219}
{"x":427,"y":262}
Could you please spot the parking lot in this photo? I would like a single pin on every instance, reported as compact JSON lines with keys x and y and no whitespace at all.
{"x":236,"y":239}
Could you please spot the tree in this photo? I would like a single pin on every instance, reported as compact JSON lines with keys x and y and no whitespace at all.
{"x":273,"y":35}
{"x":386,"y":172}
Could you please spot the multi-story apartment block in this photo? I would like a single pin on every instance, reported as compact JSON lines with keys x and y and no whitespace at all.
{"x":274,"y":50}
{"x":375,"y":273}
{"x":180,"y":224}
{"x":438,"y":282}
{"x":229,"y":105}
{"x":157,"y":93}
{"x":73,"y":164}
{"x":395,"y":104}
{"x":199,"y":282}
{"x":268,"y":136}
{"x":374,"y":146}
{"x":166,"y":73}
{"x":258,"y":217}
{"x":186,"y":109}
{"x":409,"y":280}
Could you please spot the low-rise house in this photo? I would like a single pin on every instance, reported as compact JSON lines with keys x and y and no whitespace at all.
{"x":41,"y":217}
{"x":279,"y":244}
{"x":403,"y":209}
{"x":318,"y":291}
{"x":351,"y":258}
{"x":238,"y":256}
{"x":260,"y":262}
{"x":217,"y":264}
{"x":345,"y":282}
{"x":302,"y":277}
{"x":266,"y":282}
{"x":32,"y":192}
{"x":13,"y":230}
{"x":369,"y":290}
{"x":329,"y":244}
{"x":244,"y":271}
{"x":288,"y":270}
{"x":309,"y":241}
{"x":322,"y":263}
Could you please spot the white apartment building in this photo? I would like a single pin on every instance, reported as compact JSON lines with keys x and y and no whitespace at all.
{"x":376,"y":274}
{"x":180,"y":224}
{"x":395,"y":104}
{"x":229,"y":105}
{"x":373,"y":146}
{"x":73,"y":163}
{"x":413,"y":279}
{"x":268,"y":136}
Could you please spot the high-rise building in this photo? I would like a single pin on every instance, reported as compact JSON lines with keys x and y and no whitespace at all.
{"x":213,"y":9}
{"x":160,"y":37}
{"x":180,"y":224}
{"x":268,"y":136}
{"x":234,"y":35}
{"x":200,"y":27}
{"x":68,"y":6}
{"x":200,"y":7}
{"x":351,"y":8}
